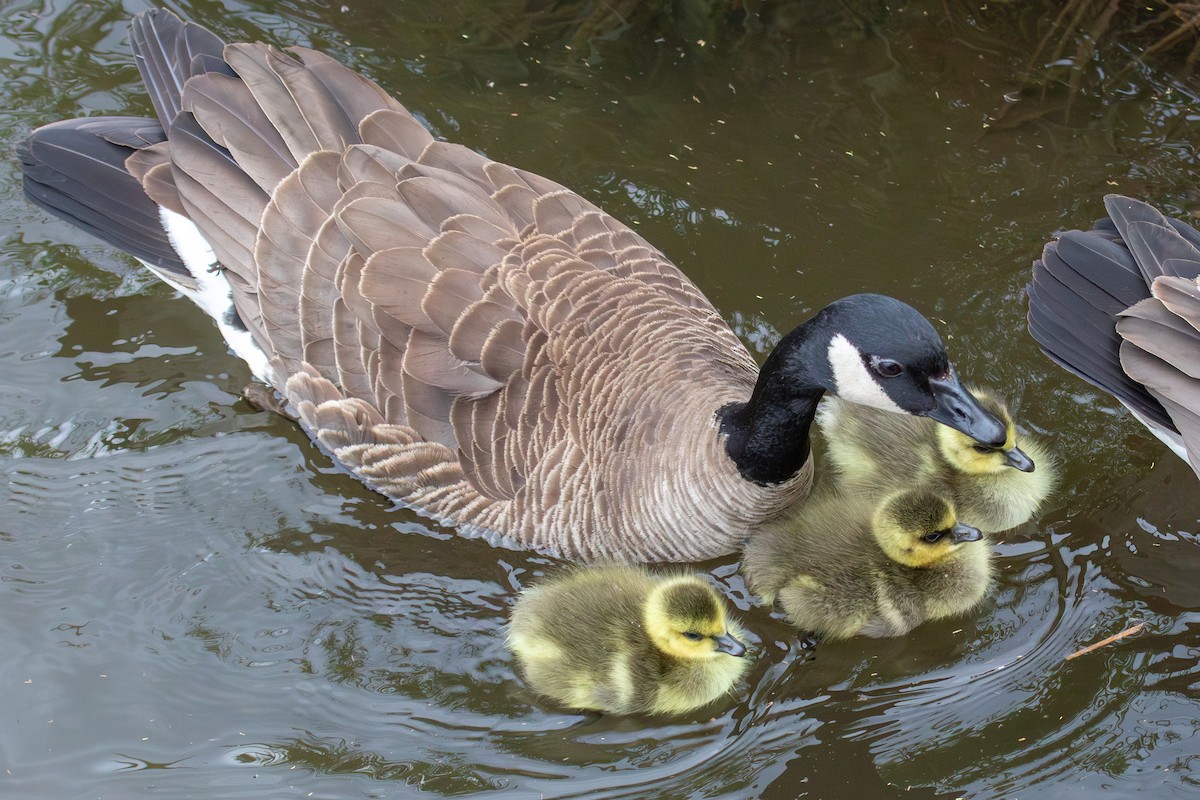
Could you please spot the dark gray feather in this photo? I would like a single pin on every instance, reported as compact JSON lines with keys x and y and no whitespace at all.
{"x":75,"y":169}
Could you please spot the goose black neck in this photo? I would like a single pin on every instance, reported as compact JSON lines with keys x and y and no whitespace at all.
{"x":767,"y":436}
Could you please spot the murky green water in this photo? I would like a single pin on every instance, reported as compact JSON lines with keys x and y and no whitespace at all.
{"x":194,"y":603}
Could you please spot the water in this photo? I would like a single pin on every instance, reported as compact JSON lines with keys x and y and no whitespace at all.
{"x":194,"y":603}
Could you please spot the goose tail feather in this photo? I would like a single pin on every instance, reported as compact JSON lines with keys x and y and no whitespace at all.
{"x":75,"y":169}
{"x":1119,"y":306}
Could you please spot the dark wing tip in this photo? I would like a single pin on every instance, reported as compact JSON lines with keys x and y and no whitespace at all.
{"x":75,"y":169}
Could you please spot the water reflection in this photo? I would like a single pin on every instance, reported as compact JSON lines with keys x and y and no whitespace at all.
{"x":200,"y":604}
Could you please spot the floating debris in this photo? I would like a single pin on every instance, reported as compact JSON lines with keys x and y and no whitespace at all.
{"x":1116,"y":637}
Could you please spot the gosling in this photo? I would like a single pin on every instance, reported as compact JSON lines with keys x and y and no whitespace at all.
{"x":847,"y":567}
{"x":624,"y":640}
{"x":996,"y":488}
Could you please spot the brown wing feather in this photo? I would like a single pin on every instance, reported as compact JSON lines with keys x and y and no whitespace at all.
{"x":395,"y":130}
{"x":259,"y":67}
{"x":159,"y":184}
{"x":1181,"y":297}
{"x":286,"y":259}
{"x":230,"y":115}
{"x":355,"y":96}
{"x":319,"y":299}
{"x":151,"y":166}
{"x":368,"y":163}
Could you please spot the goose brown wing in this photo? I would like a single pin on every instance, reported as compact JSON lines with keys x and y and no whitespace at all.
{"x":432,"y":315}
{"x":476,"y":308}
{"x":1081,"y":283}
{"x":1119,"y":306}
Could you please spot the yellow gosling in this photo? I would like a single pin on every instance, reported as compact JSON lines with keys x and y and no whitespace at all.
{"x":849,"y":566}
{"x":624,"y":640}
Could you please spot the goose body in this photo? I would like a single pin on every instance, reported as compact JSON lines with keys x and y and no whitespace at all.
{"x":624,"y":640}
{"x":1119,"y":306}
{"x":848,"y":565}
{"x":466,"y":337}
{"x":993,"y":488}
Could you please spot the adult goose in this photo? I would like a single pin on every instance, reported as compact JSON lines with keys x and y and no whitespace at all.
{"x":1119,"y":306}
{"x":463,"y":336}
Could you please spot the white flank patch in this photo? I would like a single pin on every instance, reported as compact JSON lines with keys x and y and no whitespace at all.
{"x":852,"y":379}
{"x":214,"y":294}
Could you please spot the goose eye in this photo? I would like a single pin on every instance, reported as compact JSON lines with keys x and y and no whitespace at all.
{"x":936,"y":536}
{"x":695,"y":637}
{"x":886,"y":367}
{"x":980,"y":448}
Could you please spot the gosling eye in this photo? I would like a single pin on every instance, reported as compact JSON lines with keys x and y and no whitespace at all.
{"x":695,"y":637}
{"x":934,"y":537}
{"x":886,"y":367}
{"x":984,"y":449}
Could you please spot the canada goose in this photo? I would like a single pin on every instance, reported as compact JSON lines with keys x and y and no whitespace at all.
{"x":624,"y":640}
{"x":849,"y":566}
{"x":1119,"y":306}
{"x":996,"y":488}
{"x":466,"y":337}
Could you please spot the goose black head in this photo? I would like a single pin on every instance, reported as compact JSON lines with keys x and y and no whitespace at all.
{"x":868,"y":349}
{"x":883,"y":353}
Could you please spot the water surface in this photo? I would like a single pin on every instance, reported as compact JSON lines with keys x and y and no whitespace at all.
{"x":195,"y":603}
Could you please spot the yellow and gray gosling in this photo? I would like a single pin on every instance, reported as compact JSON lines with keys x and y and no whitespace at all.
{"x":624,"y":640}
{"x":848,"y":566}
{"x":996,"y":488}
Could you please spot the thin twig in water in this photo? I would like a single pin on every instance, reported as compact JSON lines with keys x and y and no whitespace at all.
{"x":1130,"y":631}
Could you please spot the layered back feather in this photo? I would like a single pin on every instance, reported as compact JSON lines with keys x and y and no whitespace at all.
{"x":463,"y":336}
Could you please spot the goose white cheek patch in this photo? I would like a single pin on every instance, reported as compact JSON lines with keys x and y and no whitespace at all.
{"x":854,"y":383}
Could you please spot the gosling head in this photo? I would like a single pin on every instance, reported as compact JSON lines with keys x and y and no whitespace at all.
{"x":685,"y":618}
{"x":974,"y":458}
{"x":918,"y":528}
{"x":883,"y":353}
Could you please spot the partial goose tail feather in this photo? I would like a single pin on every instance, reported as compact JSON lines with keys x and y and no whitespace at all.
{"x":75,"y":169}
{"x":1119,"y":306}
